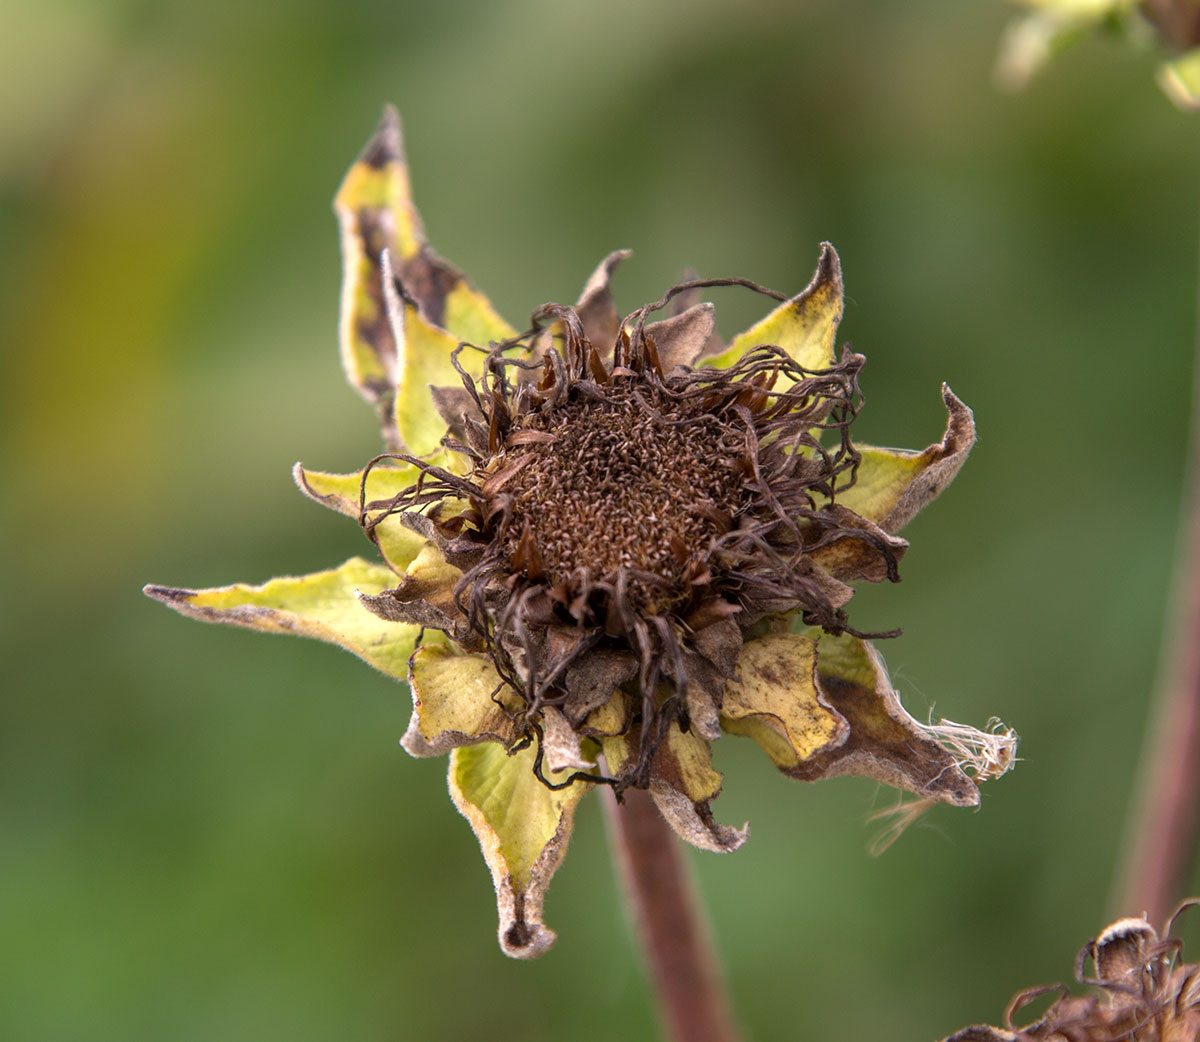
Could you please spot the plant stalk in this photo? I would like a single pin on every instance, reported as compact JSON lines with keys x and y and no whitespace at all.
{"x":1162,"y":832}
{"x":676,"y":941}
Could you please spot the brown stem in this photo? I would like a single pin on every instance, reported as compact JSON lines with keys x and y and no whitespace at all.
{"x":1162,"y":841}
{"x":667,"y":918}
{"x":1161,"y":837}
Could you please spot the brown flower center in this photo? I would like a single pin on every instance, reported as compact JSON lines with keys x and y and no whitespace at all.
{"x":635,"y":482}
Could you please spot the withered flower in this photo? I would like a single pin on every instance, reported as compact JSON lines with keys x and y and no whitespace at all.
{"x":598,"y":541}
{"x":1144,"y":992}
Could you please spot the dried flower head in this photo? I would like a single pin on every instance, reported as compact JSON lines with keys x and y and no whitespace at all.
{"x":1145,"y":992}
{"x":598,"y":540}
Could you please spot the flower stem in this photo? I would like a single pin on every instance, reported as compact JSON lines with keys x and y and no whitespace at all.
{"x":1162,"y":833}
{"x":675,"y":938}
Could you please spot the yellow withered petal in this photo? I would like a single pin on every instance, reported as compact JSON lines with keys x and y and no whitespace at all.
{"x":322,"y":606}
{"x":883,"y":742}
{"x":425,"y":353}
{"x":523,"y":828}
{"x":376,"y":214}
{"x":776,"y":700}
{"x":458,"y":700}
{"x":894,"y":484}
{"x":398,"y":543}
{"x":805,"y":326}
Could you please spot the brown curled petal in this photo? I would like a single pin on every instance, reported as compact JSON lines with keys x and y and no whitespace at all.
{"x":681,"y":339}
{"x":595,"y":307}
{"x":529,"y":437}
{"x":981,"y":1033}
{"x":425,"y":595}
{"x":720,"y":643}
{"x":506,"y":473}
{"x":849,"y":557}
{"x":460,"y":551}
{"x":591,"y":682}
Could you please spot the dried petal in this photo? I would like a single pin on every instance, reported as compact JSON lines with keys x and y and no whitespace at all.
{"x":683,"y":338}
{"x":893,"y":484}
{"x":341,"y":492}
{"x":561,"y":744}
{"x":523,"y":828}
{"x":884,"y":742}
{"x":322,"y":606}
{"x":1121,"y":951}
{"x":595,"y":307}
{"x":981,"y":1033}
{"x":683,"y":783}
{"x":870,"y":558}
{"x":457,"y":700}
{"x":777,"y":702}
{"x":376,"y":213}
{"x":425,"y":595}
{"x":592,"y":680}
{"x":805,"y":326}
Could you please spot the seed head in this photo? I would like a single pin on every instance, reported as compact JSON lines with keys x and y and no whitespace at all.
{"x":617,"y":509}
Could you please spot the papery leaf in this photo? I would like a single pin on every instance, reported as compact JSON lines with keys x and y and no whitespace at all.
{"x":805,"y":326}
{"x":458,"y":700}
{"x":376,"y":213}
{"x":398,"y":543}
{"x":777,"y":702}
{"x":322,"y":606}
{"x":883,"y":742}
{"x":523,"y":828}
{"x":894,"y":484}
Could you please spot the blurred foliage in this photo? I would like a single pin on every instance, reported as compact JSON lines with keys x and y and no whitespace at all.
{"x":207,"y":834}
{"x":1050,"y":27}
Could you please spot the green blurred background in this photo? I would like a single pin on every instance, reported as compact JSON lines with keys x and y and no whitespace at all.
{"x":206,"y":833}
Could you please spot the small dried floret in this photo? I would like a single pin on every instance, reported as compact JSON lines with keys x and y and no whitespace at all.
{"x":1144,"y":992}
